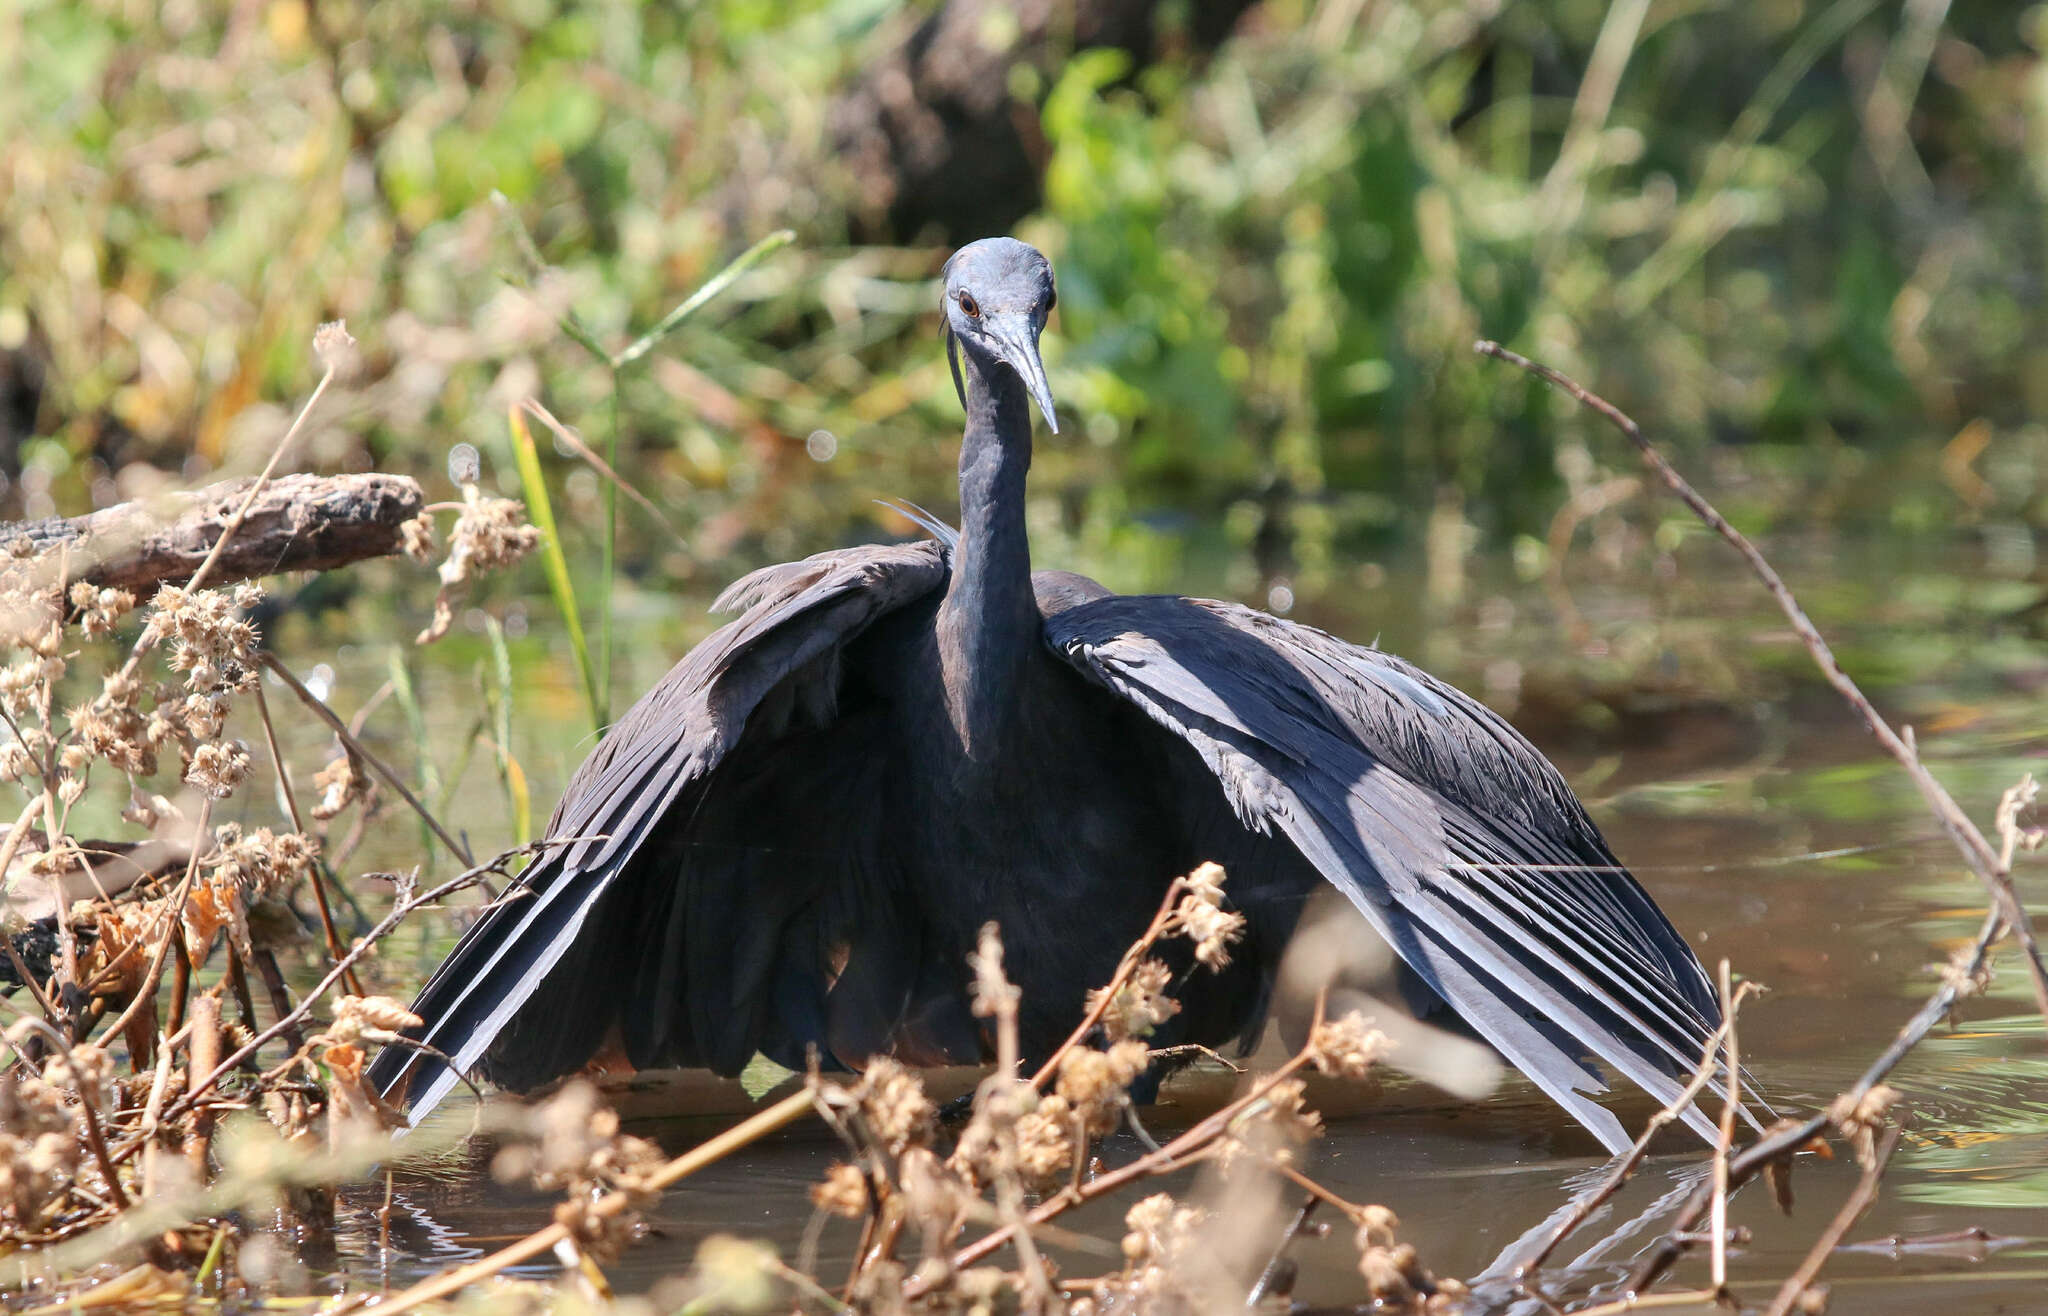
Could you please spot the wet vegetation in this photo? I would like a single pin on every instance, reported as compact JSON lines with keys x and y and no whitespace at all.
{"x":637,"y":298}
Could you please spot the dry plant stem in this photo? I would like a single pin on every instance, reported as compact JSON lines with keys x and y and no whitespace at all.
{"x":234,"y":522}
{"x":284,"y":444}
{"x":1127,"y":966}
{"x":356,"y":747}
{"x":1978,"y":852}
{"x":86,"y":1107}
{"x":1630,"y":1161}
{"x":1724,"y":1139}
{"x":1183,"y":1150}
{"x":1747,"y":1163}
{"x":70,"y":1001}
{"x":589,"y":455}
{"x":682,"y":1167}
{"x":398,"y":914}
{"x":169,"y":929}
{"x":1318,"y":1193}
{"x":1852,"y":1210}
{"x":291,"y":801}
{"x":1647,"y":1301}
{"x":8,"y":848}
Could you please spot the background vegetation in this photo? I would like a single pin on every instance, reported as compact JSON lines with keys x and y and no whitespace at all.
{"x":1810,"y":231}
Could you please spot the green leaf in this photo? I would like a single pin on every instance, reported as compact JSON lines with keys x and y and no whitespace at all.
{"x":533,"y":485}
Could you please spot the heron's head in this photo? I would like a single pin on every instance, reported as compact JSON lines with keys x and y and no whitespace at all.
{"x":998,"y":294}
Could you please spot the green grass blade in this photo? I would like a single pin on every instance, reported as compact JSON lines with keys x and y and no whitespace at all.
{"x":534,"y":486}
{"x":697,"y":300}
{"x":509,"y":772}
{"x":408,"y":701}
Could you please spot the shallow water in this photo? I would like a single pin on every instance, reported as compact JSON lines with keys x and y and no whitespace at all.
{"x":1744,"y":795}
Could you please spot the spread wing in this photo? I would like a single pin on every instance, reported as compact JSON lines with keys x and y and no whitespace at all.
{"x":1457,"y":840}
{"x":720,"y":812}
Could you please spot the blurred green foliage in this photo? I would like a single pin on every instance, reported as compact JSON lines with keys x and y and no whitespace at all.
{"x":1810,"y":230}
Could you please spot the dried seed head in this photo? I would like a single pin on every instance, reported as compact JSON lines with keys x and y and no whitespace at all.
{"x":1211,"y":928}
{"x":844,"y":1192}
{"x":99,"y":610}
{"x":1385,"y":1278}
{"x":1140,"y":1005}
{"x":893,"y":1102}
{"x":218,"y":767}
{"x":416,"y":538}
{"x":1206,"y":883}
{"x":375,"y":1017}
{"x":1095,"y":1083}
{"x":994,"y":993}
{"x":1045,"y":1142}
{"x":1347,"y":1046}
{"x":335,"y":349}
{"x":937,"y":1198}
{"x":340,"y":784}
{"x":211,"y":643}
{"x":489,"y":535}
{"x":1275,"y":1127}
{"x":1156,"y":1229}
{"x":1376,"y":1224}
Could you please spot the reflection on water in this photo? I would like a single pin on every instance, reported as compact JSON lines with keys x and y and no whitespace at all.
{"x":1750,"y":803}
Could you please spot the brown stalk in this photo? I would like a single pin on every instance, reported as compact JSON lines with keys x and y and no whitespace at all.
{"x":356,"y":747}
{"x":205,"y":1053}
{"x":88,"y":1111}
{"x":1778,"y":1146}
{"x":8,"y":848}
{"x":1859,"y":1201}
{"x":291,"y":804}
{"x":682,"y":1167}
{"x":1982,"y":858}
{"x":1183,"y":1150}
{"x":399,"y":912}
{"x":1628,"y":1162}
{"x":997,"y":1102}
{"x":1724,"y":1139}
{"x":1127,"y":966}
{"x":174,"y":912}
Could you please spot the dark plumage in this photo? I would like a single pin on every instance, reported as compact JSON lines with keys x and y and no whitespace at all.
{"x":804,"y":824}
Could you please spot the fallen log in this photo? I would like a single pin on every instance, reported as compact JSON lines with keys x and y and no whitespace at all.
{"x":297,"y":523}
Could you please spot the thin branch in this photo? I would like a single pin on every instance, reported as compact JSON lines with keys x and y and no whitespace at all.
{"x":1859,"y":1201}
{"x":356,"y":747}
{"x":291,"y":803}
{"x":603,"y":467}
{"x":399,"y":912}
{"x":535,"y":1244}
{"x":1773,"y":1147}
{"x":1628,"y":1162}
{"x":163,"y":935}
{"x":1128,"y":965}
{"x":1982,"y":858}
{"x":1724,"y":1136}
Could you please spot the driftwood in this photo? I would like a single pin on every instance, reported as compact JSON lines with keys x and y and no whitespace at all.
{"x":297,"y":523}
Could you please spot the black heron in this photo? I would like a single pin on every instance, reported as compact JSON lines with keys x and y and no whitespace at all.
{"x":798,"y":833}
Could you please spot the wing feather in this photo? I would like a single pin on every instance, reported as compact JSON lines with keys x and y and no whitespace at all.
{"x":1444,"y":827}
{"x":795,"y":620}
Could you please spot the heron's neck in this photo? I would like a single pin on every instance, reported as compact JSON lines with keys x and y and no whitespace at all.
{"x":988,"y":624}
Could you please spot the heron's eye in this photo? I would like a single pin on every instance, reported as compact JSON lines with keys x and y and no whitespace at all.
{"x":1052,"y":299}
{"x":968,"y":305}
